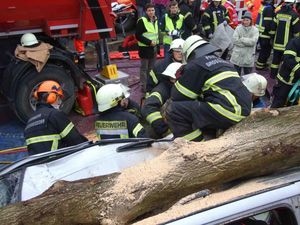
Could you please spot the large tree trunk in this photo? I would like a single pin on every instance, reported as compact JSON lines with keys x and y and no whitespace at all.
{"x":265,"y":142}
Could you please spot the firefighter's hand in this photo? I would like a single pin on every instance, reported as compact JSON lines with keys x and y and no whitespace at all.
{"x":225,"y":23}
{"x":153,"y":43}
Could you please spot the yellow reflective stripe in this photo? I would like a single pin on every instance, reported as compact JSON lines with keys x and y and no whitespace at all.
{"x":272,"y":32}
{"x":218,"y":77}
{"x":292,"y":75}
{"x":268,"y":18}
{"x":54,"y":145}
{"x":154,"y":78}
{"x":43,"y":138}
{"x":206,"y":14}
{"x":123,"y":136}
{"x":290,"y":52}
{"x":297,"y":34}
{"x":188,"y":14}
{"x":137,"y":129}
{"x":282,"y":80}
{"x":206,"y":27}
{"x":215,"y":20}
{"x":224,"y":112}
{"x":231,"y":98}
{"x":274,"y":66}
{"x":157,"y":95}
{"x":53,"y":137}
{"x":296,"y":20}
{"x":153,"y":116}
{"x":67,"y":130}
{"x":193,"y":135}
{"x":186,"y":92}
{"x":265,"y":36}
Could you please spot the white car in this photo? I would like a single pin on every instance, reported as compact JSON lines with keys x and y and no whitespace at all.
{"x":33,"y":175}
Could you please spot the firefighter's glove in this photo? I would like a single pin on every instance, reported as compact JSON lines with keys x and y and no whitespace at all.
{"x":225,"y":23}
{"x":210,"y":36}
{"x":173,"y":33}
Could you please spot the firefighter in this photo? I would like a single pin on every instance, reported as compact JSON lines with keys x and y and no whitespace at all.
{"x":233,"y":17}
{"x":256,"y":85}
{"x":289,"y":73}
{"x":264,"y":24}
{"x":151,"y":110}
{"x":147,"y":36}
{"x":208,"y":95}
{"x":171,"y":25}
{"x":214,"y":15}
{"x":176,"y":56}
{"x":114,"y":121}
{"x":189,"y":23}
{"x":49,"y":129}
{"x":286,"y":26}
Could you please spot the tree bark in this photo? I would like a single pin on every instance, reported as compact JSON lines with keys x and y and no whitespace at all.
{"x":267,"y":141}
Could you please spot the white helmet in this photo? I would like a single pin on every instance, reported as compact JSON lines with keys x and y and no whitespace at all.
{"x":190,"y":44}
{"x":177,"y":44}
{"x":171,"y":70}
{"x":109,"y":95}
{"x":28,"y":39}
{"x":255,"y":83}
{"x":289,"y":1}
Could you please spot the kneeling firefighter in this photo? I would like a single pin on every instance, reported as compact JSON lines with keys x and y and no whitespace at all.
{"x":208,"y":95}
{"x":48,"y":128}
{"x":114,"y":121}
{"x":151,"y":110}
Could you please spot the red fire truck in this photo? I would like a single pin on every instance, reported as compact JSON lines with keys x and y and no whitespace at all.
{"x":87,"y":20}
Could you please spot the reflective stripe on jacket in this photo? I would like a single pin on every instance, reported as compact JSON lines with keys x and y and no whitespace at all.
{"x":215,"y":81}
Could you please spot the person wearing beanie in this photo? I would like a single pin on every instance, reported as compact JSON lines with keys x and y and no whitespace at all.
{"x":245,"y":38}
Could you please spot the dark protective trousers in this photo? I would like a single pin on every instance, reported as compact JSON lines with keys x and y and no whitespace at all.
{"x":277,"y":58}
{"x":184,"y":117}
{"x":264,"y":53}
{"x":280,"y":94}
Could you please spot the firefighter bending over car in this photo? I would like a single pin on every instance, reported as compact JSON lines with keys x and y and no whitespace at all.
{"x":114,"y":121}
{"x":49,"y":129}
{"x":208,"y":95}
{"x":151,"y":110}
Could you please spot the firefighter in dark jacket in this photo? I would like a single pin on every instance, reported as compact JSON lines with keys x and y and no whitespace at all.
{"x":114,"y":121}
{"x":286,"y":27}
{"x":155,"y":74}
{"x":208,"y":95}
{"x":189,"y":23}
{"x":289,"y":73}
{"x":214,"y":15}
{"x":171,"y":25}
{"x":147,"y":35}
{"x":50,"y":129}
{"x":151,"y":110}
{"x":264,"y":23}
